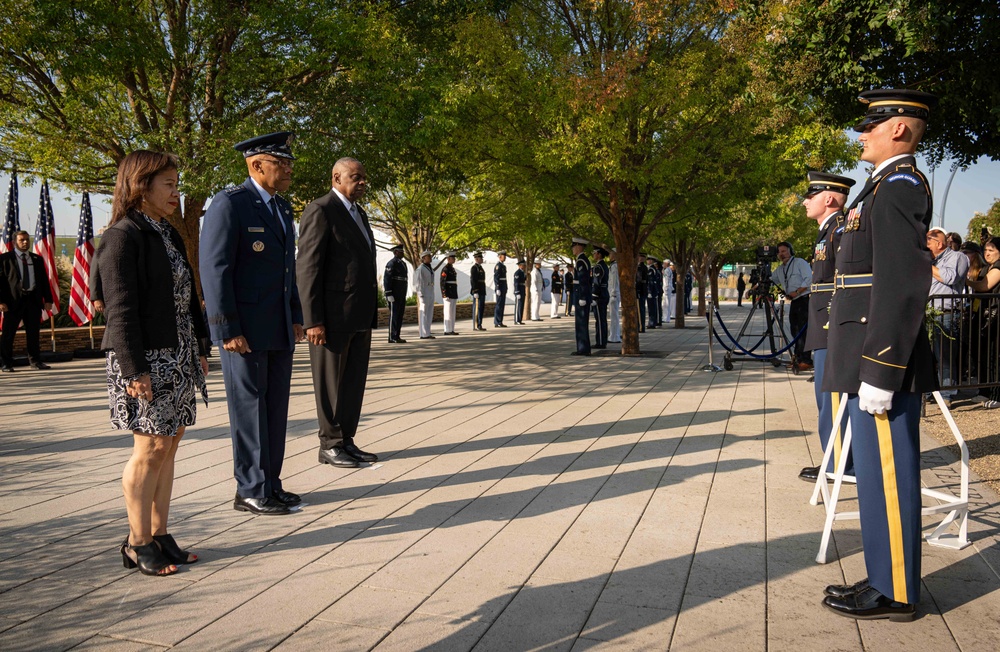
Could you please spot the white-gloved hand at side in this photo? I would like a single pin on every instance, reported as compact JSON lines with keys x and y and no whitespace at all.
{"x":390,"y":298}
{"x":583,"y":303}
{"x":874,"y":400}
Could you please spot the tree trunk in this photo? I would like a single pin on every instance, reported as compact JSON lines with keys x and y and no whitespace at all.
{"x":680,"y":271}
{"x":626,"y":255}
{"x":188,"y":225}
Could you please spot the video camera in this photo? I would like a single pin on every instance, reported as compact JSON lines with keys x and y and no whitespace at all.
{"x":766,"y":255}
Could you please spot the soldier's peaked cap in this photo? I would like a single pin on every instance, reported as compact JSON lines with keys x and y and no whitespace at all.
{"x":426,"y":252}
{"x":580,"y":241}
{"x":478,"y":254}
{"x":823,"y":181}
{"x":398,"y":247}
{"x":277,"y":144}
{"x":451,"y":254}
{"x":885,"y":103}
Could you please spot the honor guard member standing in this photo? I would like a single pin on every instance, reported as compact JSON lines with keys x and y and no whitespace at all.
{"x":519,"y":283}
{"x":614,"y":301}
{"x":449,"y":293}
{"x":582,"y":297}
{"x":883,"y":356}
{"x":568,"y":284}
{"x":659,"y":293}
{"x":555,"y":293}
{"x":500,"y":289}
{"x":652,"y":280}
{"x":668,"y":289}
{"x":599,"y":280}
{"x":394,"y":284}
{"x":247,"y":260}
{"x":537,"y":288}
{"x":824,"y":202}
{"x":424,"y":286}
{"x":642,"y":290}
{"x":477,"y":275}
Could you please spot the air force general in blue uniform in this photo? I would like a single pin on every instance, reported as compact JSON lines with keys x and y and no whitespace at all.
{"x":248,"y":279}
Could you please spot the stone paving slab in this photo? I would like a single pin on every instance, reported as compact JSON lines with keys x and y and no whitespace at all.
{"x":524,"y":500}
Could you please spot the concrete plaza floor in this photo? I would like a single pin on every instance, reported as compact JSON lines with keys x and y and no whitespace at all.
{"x":524,"y":500}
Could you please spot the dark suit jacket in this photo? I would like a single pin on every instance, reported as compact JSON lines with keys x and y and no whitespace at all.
{"x":336,"y":269}
{"x":11,"y":289}
{"x":138,"y":287}
{"x":248,"y":270}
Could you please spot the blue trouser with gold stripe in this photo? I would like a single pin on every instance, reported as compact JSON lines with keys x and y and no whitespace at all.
{"x":827,"y":404}
{"x":887,"y":461}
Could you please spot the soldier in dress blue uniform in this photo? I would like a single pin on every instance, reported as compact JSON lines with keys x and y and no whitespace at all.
{"x":582,"y":297}
{"x":395,"y":282}
{"x":519,"y":283}
{"x":477,"y":276}
{"x":659,"y":292}
{"x":500,"y":288}
{"x":449,"y":292}
{"x":568,"y":284}
{"x":824,"y":202}
{"x":247,"y":257}
{"x":602,"y":297}
{"x":653,"y":280}
{"x":642,"y":290}
{"x":883,"y":356}
{"x":555,"y":293}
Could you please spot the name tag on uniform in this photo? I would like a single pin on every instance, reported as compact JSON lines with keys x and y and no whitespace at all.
{"x":255,"y":229}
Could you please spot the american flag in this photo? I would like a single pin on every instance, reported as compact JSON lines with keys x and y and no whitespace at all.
{"x":12,"y":222}
{"x":80,"y":307}
{"x":45,"y":246}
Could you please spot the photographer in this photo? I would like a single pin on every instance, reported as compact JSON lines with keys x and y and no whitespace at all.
{"x":793,"y":277}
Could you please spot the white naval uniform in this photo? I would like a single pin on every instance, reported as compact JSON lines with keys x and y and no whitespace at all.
{"x":668,"y":299}
{"x":424,"y":286}
{"x":537,"y":285}
{"x":614,"y":305}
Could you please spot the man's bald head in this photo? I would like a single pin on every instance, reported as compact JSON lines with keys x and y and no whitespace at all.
{"x":350,"y":178}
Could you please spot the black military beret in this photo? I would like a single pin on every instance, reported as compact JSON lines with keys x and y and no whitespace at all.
{"x":276,"y":144}
{"x":823,"y":181}
{"x":885,"y":103}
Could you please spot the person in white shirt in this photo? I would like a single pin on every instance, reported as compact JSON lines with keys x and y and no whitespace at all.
{"x":668,"y":287}
{"x":424,"y":287}
{"x":614,"y":304}
{"x":537,"y":286}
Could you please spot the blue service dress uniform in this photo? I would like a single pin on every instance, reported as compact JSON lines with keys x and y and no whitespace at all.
{"x":659,"y":296}
{"x":568,"y":283}
{"x":652,"y":280}
{"x":823,"y":270}
{"x":477,"y":276}
{"x":519,"y":279}
{"x":500,"y":288}
{"x":395,"y":282}
{"x":247,"y":260}
{"x":582,"y":297}
{"x":599,"y":281}
{"x":641,"y":293}
{"x":877,"y":336}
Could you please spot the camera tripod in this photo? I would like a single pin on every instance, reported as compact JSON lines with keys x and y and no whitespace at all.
{"x":774,"y":333}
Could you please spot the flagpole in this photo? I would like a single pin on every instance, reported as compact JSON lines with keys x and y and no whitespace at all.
{"x":91,"y":325}
{"x":52,"y":330}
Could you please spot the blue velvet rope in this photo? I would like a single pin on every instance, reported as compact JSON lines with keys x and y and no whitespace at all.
{"x":750,"y":352}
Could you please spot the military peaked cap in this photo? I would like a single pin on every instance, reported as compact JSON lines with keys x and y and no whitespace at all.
{"x":885,"y":103}
{"x":276,"y":144}
{"x":823,"y":181}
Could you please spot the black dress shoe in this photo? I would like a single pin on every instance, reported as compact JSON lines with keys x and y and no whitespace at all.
{"x":844,"y":590}
{"x":41,"y":366}
{"x":286,"y":497}
{"x":869,"y":604}
{"x":337,"y":457}
{"x":401,"y":341}
{"x":7,"y":369}
{"x":359,"y":454}
{"x":600,"y":346}
{"x":580,"y":353}
{"x":261,"y":506}
{"x":809,"y":473}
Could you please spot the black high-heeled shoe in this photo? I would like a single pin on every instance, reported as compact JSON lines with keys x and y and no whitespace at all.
{"x":172,"y":551}
{"x":149,"y":559}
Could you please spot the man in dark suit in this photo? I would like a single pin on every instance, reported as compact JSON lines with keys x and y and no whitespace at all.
{"x":339,"y":300}
{"x":247,"y":259}
{"x":24,"y":291}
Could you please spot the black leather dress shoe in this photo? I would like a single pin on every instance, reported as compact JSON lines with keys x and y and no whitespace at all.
{"x":337,"y":457}
{"x":286,"y":497}
{"x":809,"y":473}
{"x":41,"y":366}
{"x":260,"y":506}
{"x":401,"y":341}
{"x":844,"y":590}
{"x":7,"y":369}
{"x":580,"y":353}
{"x":359,"y":454}
{"x":869,"y":604}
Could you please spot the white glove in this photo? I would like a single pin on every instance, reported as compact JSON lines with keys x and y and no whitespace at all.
{"x":874,"y":400}
{"x":390,"y":298}
{"x":583,"y":304}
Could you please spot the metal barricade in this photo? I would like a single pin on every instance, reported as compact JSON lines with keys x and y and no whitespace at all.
{"x":965,"y":336}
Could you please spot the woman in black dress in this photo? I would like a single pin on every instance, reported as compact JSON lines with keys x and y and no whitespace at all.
{"x":154,"y":343}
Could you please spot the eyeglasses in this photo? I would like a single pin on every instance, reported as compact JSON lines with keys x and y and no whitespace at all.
{"x":285,"y":164}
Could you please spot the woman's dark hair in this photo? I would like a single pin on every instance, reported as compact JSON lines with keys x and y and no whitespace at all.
{"x":135,"y":173}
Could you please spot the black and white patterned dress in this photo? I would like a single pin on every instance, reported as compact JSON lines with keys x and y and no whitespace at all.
{"x":175,"y":374}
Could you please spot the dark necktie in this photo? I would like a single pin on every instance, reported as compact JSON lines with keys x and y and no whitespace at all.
{"x":25,"y":279}
{"x":273,"y":206}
